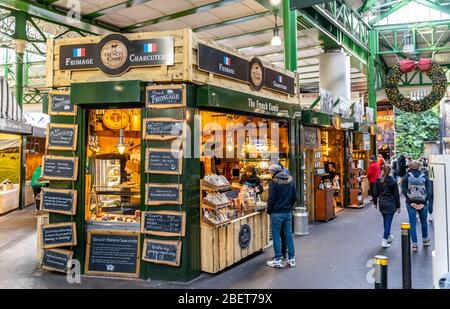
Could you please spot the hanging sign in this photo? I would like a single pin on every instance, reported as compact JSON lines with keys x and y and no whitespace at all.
{"x":165,"y":96}
{"x":15,"y":127}
{"x":161,"y":194}
{"x":115,"y":54}
{"x":59,"y":201}
{"x":163,"y":161}
{"x":311,"y":137}
{"x":167,"y":252}
{"x":59,"y":235}
{"x":59,"y":104}
{"x":163,"y":223}
{"x":112,"y":253}
{"x":60,"y":168}
{"x":280,"y":82}
{"x":163,"y":128}
{"x":56,"y":260}
{"x":62,"y":136}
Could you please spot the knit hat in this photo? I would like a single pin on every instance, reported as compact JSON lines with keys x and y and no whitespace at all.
{"x":275,"y":168}
{"x":250,"y":168}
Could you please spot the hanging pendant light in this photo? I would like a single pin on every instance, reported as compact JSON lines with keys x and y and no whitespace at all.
{"x":121,"y":146}
{"x":276,"y":40}
{"x":408,"y":46}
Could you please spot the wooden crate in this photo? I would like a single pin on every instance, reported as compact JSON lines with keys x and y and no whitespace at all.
{"x":220,"y":246}
{"x":42,"y":219}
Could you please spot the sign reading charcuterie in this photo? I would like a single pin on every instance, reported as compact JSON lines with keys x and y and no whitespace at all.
{"x":62,"y":136}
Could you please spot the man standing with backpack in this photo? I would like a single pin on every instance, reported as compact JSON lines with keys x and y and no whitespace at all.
{"x":417,"y":190}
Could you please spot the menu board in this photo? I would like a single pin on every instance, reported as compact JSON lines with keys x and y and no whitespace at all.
{"x":112,"y":253}
{"x":163,"y":161}
{"x":60,"y":168}
{"x":59,"y":104}
{"x":160,"y":194}
{"x":166,"y":252}
{"x":163,"y":223}
{"x":56,"y":260}
{"x":59,"y":201}
{"x":62,"y":136}
{"x":59,"y":235}
{"x":165,"y":96}
{"x":163,"y":128}
{"x":311,"y":137}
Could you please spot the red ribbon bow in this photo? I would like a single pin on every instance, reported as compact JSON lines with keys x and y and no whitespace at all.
{"x":424,"y":65}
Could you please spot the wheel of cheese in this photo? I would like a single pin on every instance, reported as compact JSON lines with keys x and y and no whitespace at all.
{"x":115,"y":119}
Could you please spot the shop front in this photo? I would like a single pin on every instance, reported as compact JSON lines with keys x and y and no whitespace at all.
{"x":145,"y":168}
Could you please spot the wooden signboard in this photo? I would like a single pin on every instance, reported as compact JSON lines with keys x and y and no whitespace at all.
{"x":167,"y":252}
{"x":56,"y":260}
{"x":161,"y":194}
{"x":60,"y":168}
{"x":59,"y":235}
{"x":59,"y":104}
{"x":311,"y":137}
{"x":113,"y":253}
{"x":163,"y":161}
{"x":163,"y":128}
{"x":163,"y":223}
{"x":62,"y":136}
{"x":59,"y":201}
{"x":165,"y":96}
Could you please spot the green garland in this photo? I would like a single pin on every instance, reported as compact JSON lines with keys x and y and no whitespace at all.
{"x":437,"y":76}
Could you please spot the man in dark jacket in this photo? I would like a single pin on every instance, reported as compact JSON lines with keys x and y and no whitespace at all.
{"x":252,"y":179}
{"x":417,"y":190}
{"x":282,"y":197}
{"x":401,"y":166}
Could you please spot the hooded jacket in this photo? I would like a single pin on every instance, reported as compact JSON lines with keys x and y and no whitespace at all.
{"x":282,"y":193}
{"x":386,"y":195}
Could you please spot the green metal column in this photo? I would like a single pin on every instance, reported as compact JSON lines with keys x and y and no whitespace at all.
{"x":371,"y":74}
{"x":290,"y":36}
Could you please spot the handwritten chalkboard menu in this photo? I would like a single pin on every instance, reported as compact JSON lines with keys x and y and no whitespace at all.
{"x":163,"y":161}
{"x":160,"y":194}
{"x":163,"y":128}
{"x":166,"y":252}
{"x":62,"y":136}
{"x":59,"y":201}
{"x":162,"y":96}
{"x":163,"y":223}
{"x":112,"y":253}
{"x":311,"y":137}
{"x":59,"y":235}
{"x":56,"y":260}
{"x":60,"y":168}
{"x":59,"y":104}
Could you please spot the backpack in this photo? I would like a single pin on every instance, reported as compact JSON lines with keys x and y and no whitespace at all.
{"x":417,"y":191}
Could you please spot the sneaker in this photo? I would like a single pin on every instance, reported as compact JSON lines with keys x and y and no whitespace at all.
{"x":291,"y":262}
{"x":415,"y":248}
{"x":275,"y":263}
{"x":430,"y":218}
{"x":390,"y":239}
{"x":426,"y":242}
{"x":385,"y":244}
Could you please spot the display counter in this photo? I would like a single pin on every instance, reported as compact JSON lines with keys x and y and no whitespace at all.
{"x":9,"y":198}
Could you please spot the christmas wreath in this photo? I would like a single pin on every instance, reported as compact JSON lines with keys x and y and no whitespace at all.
{"x":433,"y":71}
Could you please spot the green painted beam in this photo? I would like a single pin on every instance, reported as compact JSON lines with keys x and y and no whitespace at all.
{"x":290,"y":36}
{"x":367,"y":5}
{"x":434,"y":5}
{"x":393,"y":9}
{"x":418,"y":25}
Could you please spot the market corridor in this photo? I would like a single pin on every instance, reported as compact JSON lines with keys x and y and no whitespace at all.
{"x":333,"y":255}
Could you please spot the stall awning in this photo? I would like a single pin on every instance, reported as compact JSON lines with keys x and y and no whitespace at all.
{"x":11,"y":118}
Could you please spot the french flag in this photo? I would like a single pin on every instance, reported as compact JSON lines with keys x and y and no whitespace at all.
{"x":279,"y":78}
{"x":150,"y":47}
{"x":226,"y":60}
{"x":79,"y":52}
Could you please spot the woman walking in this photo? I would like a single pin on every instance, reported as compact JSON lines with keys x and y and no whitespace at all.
{"x":386,"y":198}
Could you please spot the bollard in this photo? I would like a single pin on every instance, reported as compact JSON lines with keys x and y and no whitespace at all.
{"x":406,"y":255}
{"x":381,"y":272}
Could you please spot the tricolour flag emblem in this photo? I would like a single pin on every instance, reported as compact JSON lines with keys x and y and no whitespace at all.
{"x":79,"y":52}
{"x":226,"y":60}
{"x":279,"y":78}
{"x":150,"y":48}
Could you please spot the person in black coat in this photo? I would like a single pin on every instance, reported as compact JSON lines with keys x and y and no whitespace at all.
{"x":401,"y":166}
{"x":252,"y":179}
{"x":386,"y":198}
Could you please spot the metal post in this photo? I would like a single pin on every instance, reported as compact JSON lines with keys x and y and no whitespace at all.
{"x":371,"y":74}
{"x":406,"y":255}
{"x":381,"y":272}
{"x":290,"y":36}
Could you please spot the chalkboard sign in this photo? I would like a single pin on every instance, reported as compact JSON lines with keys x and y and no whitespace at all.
{"x":166,"y":252}
{"x":162,"y":96}
{"x":59,"y":104}
{"x":163,"y":223}
{"x":59,"y":201}
{"x":163,"y":128}
{"x":62,"y":136}
{"x":163,"y":161}
{"x":60,"y":168}
{"x":112,"y":253}
{"x":311,"y":137}
{"x":56,"y":260}
{"x":59,"y":235}
{"x":160,"y":194}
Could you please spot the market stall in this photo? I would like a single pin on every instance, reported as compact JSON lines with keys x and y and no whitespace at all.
{"x":135,"y":139}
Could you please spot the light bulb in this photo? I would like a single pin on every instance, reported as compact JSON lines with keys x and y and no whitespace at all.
{"x":275,"y":2}
{"x":121,"y":149}
{"x":276,"y":40}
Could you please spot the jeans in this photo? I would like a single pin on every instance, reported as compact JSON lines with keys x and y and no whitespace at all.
{"x":387,"y":222}
{"x":283,"y":221}
{"x":423,"y":213}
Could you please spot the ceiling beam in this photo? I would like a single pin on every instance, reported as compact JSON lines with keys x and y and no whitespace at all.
{"x":232,"y":21}
{"x":434,"y":6}
{"x":393,"y":9}
{"x":114,"y":8}
{"x":258,"y":32}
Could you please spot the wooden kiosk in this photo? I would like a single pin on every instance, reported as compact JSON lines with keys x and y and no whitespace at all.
{"x":134,"y":102}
